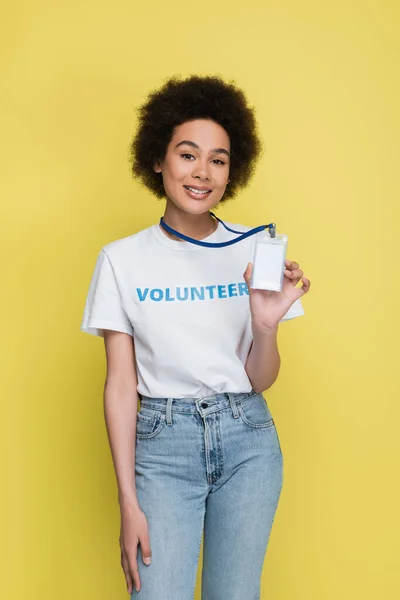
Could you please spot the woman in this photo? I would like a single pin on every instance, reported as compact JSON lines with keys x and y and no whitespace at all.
{"x":186,"y":335}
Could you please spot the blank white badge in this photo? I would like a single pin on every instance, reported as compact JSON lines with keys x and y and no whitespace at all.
{"x":269,"y":263}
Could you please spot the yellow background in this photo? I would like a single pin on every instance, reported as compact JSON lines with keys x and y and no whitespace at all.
{"x":324,"y":78}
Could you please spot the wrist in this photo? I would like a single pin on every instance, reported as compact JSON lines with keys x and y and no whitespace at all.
{"x":128,"y":501}
{"x":260,"y":328}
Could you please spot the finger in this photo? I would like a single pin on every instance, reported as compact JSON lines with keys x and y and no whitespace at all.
{"x":134,"y":571}
{"x":247,"y":274}
{"x":125,"y":568}
{"x":248,"y":269}
{"x":291,"y":264}
{"x":306,"y":284}
{"x":146,"y":551}
{"x":294,"y":275}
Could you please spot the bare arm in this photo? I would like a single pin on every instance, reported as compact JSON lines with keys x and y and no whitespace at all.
{"x":263,"y":361}
{"x":120,"y":410}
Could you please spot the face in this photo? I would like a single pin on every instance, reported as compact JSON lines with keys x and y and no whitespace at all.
{"x":197,"y":158}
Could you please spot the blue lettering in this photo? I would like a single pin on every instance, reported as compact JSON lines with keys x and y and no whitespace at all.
{"x":211,"y":288}
{"x":195,"y":292}
{"x":153,"y":295}
{"x":243,"y":289}
{"x":178,"y":293}
{"x":142,"y":296}
{"x":232,"y":289}
{"x":222,"y":291}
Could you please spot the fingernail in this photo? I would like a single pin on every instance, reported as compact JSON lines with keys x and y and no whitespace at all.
{"x":147,"y":560}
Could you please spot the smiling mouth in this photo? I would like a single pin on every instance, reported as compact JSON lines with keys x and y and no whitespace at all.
{"x":200,"y":192}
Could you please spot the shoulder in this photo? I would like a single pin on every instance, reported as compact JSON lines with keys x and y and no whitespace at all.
{"x":123,"y":247}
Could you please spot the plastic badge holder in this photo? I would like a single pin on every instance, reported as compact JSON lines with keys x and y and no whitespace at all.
{"x":269,"y":261}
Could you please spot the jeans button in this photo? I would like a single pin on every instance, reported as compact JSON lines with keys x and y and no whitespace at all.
{"x":204,"y":405}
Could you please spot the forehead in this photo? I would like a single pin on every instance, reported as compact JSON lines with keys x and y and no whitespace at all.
{"x":204,"y":132}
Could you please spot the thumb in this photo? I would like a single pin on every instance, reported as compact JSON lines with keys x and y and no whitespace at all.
{"x":146,"y":550}
{"x":248,"y":270}
{"x":247,"y":273}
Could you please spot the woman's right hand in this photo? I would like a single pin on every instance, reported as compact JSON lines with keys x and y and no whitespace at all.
{"x":134,"y":530}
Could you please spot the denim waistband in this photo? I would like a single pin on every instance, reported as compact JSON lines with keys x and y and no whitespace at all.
{"x":192,"y":405}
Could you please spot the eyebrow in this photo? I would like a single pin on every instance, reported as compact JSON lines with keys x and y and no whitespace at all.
{"x":213,"y":150}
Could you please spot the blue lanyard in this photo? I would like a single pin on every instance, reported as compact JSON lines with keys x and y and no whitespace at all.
{"x":242,"y":235}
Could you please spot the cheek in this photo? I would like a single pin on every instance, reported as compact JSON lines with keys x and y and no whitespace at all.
{"x":223,"y":178}
{"x":178,"y":170}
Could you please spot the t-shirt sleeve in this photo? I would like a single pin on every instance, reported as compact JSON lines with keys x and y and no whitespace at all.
{"x":103,"y":308}
{"x":296,"y":310}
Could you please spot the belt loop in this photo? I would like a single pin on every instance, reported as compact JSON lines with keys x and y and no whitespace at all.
{"x":169,"y":411}
{"x":234,"y":408}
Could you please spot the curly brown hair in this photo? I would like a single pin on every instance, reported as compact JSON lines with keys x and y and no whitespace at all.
{"x":196,"y":97}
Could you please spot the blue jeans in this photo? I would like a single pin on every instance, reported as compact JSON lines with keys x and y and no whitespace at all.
{"x":214,"y":465}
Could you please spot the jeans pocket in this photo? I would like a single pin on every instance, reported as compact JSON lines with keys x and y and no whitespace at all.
{"x":254,"y":412}
{"x":149,"y":423}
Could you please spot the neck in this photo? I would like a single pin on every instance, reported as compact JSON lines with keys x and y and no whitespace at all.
{"x":197,"y":227}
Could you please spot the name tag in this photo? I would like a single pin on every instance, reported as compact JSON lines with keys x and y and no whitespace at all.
{"x":269,"y":262}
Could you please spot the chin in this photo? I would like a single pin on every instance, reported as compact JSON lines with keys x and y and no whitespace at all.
{"x":196,"y":207}
{"x":193,"y":206}
{"x":199,"y":211}
{"x":199,"y":206}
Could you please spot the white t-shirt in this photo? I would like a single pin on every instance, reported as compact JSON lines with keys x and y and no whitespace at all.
{"x":186,"y":306}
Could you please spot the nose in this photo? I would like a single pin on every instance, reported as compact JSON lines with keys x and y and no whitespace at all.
{"x":201,"y":170}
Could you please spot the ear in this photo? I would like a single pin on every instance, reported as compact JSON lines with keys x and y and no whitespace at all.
{"x":157,"y":167}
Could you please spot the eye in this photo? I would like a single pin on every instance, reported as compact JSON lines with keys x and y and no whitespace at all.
{"x":188,"y":156}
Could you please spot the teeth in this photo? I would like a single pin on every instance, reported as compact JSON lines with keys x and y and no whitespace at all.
{"x":197,"y":191}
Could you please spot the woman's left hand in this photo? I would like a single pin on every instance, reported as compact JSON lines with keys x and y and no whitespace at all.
{"x":268,"y":307}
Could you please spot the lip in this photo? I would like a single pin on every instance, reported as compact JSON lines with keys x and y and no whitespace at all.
{"x":196,"y":196}
{"x":197,"y":187}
